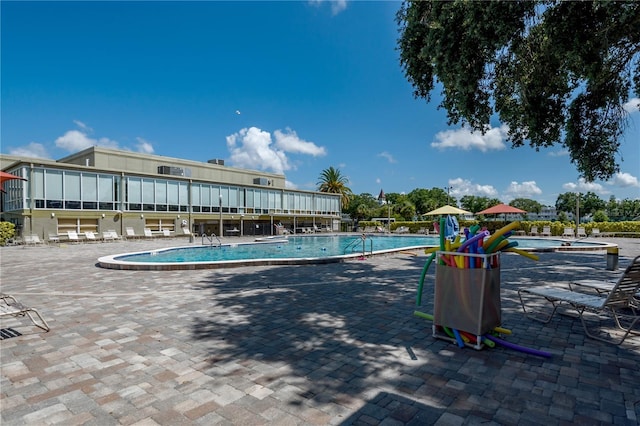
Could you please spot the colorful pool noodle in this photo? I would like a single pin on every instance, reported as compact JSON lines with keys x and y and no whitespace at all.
{"x":456,"y":334}
{"x":423,"y":315}
{"x":421,"y":282}
{"x":472,"y":240}
{"x":502,"y":330}
{"x":473,"y":339}
{"x":518,"y":347}
{"x":500,"y":232}
{"x":523,"y":253}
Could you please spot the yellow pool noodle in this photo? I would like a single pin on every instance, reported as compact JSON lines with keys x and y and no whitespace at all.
{"x":523,"y":253}
{"x":499,"y":232}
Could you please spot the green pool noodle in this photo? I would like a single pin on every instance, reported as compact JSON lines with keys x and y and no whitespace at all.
{"x":421,"y":282}
{"x":423,"y":315}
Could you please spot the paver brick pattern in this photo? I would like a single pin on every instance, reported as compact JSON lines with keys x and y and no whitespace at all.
{"x":300,"y":345}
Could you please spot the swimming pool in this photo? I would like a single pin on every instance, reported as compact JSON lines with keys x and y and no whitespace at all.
{"x":300,"y":250}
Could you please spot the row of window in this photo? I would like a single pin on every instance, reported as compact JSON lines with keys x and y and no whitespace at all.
{"x":61,"y":189}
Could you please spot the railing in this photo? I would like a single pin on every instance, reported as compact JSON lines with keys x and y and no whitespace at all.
{"x":353,"y":245}
{"x":210,"y":239}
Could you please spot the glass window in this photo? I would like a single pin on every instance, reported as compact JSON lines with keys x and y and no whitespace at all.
{"x":206,"y":195}
{"x":233,"y":197}
{"x":38,"y":183}
{"x":53,"y":185}
{"x":105,"y":188}
{"x":173,"y":194}
{"x":71,"y":186}
{"x":148,"y":191}
{"x":134,"y":190}
{"x":89,"y":187}
{"x":161,"y":192}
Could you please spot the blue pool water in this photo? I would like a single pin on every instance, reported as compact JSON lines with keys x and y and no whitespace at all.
{"x":307,"y":247}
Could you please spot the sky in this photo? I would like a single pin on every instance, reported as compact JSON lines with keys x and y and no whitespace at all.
{"x":288,"y":87}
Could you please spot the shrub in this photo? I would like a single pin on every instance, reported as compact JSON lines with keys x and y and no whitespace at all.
{"x":7,"y":231}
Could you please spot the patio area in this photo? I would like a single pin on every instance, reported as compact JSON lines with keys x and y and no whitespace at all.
{"x":296,"y":345}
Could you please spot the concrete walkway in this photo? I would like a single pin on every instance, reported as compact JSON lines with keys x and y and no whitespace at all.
{"x":293,"y":345}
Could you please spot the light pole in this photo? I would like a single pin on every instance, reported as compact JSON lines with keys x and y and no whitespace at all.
{"x":389,"y":216}
{"x":220,"y":209}
{"x":448,"y":188}
{"x":577,"y":212}
{"x":241,"y":225}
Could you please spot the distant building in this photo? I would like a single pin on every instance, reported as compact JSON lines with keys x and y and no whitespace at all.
{"x":382,"y":199}
{"x":100,"y":189}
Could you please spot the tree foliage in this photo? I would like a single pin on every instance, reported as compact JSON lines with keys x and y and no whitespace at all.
{"x":556,"y":72}
{"x":530,"y":206}
{"x":333,"y":181}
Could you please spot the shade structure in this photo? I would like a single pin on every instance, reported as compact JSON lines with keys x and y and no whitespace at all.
{"x":4,"y":176}
{"x":501,"y":209}
{"x":446,"y":210}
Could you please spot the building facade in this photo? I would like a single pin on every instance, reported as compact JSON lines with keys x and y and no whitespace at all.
{"x":100,"y":189}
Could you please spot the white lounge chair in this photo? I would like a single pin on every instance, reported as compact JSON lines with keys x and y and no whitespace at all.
{"x":73,"y":237}
{"x":568,"y":233}
{"x":131,"y":233}
{"x":148,"y":233}
{"x":533,"y":231}
{"x":54,"y":238}
{"x":546,"y":231}
{"x":595,"y":232}
{"x":166,"y":233}
{"x":581,"y":233}
{"x":619,"y":297}
{"x":32,"y":240}
{"x":90,"y":236}
{"x":9,"y":306}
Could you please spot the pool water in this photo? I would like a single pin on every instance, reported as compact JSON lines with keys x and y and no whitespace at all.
{"x":307,"y":247}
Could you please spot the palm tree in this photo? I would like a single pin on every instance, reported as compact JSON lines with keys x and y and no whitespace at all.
{"x":332,"y":181}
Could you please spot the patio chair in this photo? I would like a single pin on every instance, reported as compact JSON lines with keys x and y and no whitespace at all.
{"x":53,"y":238}
{"x":90,"y":236}
{"x":533,"y":231}
{"x":595,"y":232}
{"x":546,"y":231}
{"x":581,"y":233}
{"x":619,"y":298}
{"x":148,"y":233}
{"x":73,"y":237}
{"x":568,"y":232}
{"x":9,"y":306}
{"x":32,"y":240}
{"x":131,"y":233}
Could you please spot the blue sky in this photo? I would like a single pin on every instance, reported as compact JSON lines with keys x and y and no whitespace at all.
{"x":286,"y":87}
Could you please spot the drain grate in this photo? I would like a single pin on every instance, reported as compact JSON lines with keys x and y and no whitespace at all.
{"x":7,"y":333}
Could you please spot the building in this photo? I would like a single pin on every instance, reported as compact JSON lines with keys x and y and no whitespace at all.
{"x":100,"y":189}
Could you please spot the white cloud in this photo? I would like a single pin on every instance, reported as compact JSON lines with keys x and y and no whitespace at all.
{"x":624,"y":180}
{"x":290,"y":142}
{"x":337,"y":6}
{"x":561,"y":153}
{"x":527,"y":189}
{"x":75,"y":140}
{"x":290,"y":185}
{"x":462,"y":138}
{"x":34,"y":149}
{"x":633,"y":105}
{"x":83,"y":126}
{"x":144,"y":146}
{"x":584,"y":186}
{"x":461,"y":187}
{"x":387,"y":156}
{"x":378,"y":180}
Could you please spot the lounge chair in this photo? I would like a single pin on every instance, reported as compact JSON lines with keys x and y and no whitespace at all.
{"x":90,"y":236}
{"x":568,"y":233}
{"x":581,"y":233}
{"x":546,"y":231}
{"x":32,"y":240}
{"x":131,"y":233}
{"x":53,"y":238}
{"x":73,"y":237}
{"x":166,"y":233}
{"x":9,"y":306}
{"x":595,"y":232}
{"x":148,"y":233}
{"x":619,"y":297}
{"x":533,"y":231}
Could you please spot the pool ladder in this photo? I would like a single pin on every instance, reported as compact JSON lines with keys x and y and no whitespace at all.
{"x":210,"y":238}
{"x":353,"y":245}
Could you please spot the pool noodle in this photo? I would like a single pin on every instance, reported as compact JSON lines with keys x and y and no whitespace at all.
{"x":458,"y":338}
{"x":518,"y":347}
{"x":523,"y":253}
{"x":421,"y":282}
{"x":473,"y":239}
{"x":502,"y":330}
{"x":423,"y":315}
{"x":492,"y":247}
{"x":499,"y":233}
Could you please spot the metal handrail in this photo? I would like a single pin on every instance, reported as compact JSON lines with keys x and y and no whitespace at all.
{"x":210,"y":239}
{"x":353,"y":243}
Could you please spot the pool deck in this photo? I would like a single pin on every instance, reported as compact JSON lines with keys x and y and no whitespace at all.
{"x":294,"y":345}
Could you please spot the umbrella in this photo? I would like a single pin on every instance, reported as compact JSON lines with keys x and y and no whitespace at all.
{"x":446,"y":210}
{"x":7,"y":176}
{"x":500,"y":209}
